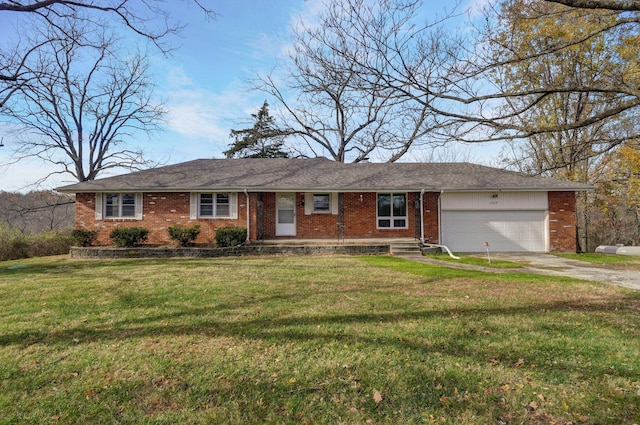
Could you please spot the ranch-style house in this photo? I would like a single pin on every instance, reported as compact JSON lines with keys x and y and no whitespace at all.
{"x":461,"y":205}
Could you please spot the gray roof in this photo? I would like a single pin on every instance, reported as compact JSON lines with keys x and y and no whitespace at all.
{"x":320,"y":174}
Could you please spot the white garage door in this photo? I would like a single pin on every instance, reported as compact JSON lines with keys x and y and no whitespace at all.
{"x":505,"y":231}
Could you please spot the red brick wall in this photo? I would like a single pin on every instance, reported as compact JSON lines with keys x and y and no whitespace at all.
{"x":160,"y":210}
{"x":269,"y":215}
{"x":431,"y":221}
{"x":360,"y":210}
{"x":562,"y":221}
{"x":314,"y":226}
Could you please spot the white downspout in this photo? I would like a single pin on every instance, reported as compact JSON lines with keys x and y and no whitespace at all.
{"x":422,"y":215}
{"x":439,"y":245}
{"x":246,"y":194}
{"x":440,"y":216}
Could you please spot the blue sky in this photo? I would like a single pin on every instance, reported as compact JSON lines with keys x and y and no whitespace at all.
{"x":203,"y":82}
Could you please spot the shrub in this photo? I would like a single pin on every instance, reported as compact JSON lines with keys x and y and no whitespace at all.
{"x":49,"y":243}
{"x":126,"y":237}
{"x":83,"y":237}
{"x":185,"y":235}
{"x":15,"y":244}
{"x":230,"y":236}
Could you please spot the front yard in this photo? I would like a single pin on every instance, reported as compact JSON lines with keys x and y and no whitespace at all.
{"x":325,"y":339}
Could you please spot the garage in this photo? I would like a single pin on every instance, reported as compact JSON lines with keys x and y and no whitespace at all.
{"x":507,"y":221}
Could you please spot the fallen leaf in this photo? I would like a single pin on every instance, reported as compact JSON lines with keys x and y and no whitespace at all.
{"x":377,"y":397}
{"x":519,"y":363}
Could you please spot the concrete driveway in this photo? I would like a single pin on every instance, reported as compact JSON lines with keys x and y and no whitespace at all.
{"x":557,"y":266}
{"x":552,"y":265}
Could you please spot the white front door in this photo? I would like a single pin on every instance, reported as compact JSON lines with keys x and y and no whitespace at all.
{"x":286,"y":214}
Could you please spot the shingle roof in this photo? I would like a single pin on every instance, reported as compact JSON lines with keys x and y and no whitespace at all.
{"x":319,"y":174}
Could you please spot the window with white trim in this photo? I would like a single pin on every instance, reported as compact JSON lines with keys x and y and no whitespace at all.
{"x":216,"y":205}
{"x":120,"y":205}
{"x":320,"y":203}
{"x":392,"y":211}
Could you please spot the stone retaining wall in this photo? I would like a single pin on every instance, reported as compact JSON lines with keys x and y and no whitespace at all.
{"x":144,"y":252}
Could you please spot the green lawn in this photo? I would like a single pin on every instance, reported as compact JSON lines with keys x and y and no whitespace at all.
{"x":327,"y":339}
{"x":476,"y":260}
{"x":617,"y":261}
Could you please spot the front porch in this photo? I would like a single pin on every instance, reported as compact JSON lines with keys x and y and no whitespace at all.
{"x":325,"y":242}
{"x":397,"y":246}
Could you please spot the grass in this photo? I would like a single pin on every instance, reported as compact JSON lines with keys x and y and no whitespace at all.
{"x":311,"y":340}
{"x":625,"y":261}
{"x":476,"y":260}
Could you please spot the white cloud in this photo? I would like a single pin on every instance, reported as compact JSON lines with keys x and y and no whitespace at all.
{"x":475,"y":7}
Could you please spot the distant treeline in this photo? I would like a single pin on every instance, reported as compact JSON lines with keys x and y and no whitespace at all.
{"x":33,"y":224}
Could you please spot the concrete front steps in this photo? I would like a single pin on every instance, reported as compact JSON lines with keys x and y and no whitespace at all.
{"x":405,"y":249}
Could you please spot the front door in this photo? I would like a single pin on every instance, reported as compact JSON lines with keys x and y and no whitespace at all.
{"x":286,"y":214}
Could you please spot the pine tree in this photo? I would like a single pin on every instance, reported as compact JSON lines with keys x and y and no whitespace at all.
{"x":264,"y":140}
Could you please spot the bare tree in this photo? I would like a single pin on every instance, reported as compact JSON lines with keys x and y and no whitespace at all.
{"x":619,"y":5}
{"x":81,"y":104}
{"x":36,"y":212}
{"x":572,"y":152}
{"x":146,"y":19}
{"x":551,"y":34}
{"x":342,"y":94}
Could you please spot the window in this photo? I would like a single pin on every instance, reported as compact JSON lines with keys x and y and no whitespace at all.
{"x":121,"y":205}
{"x":321,"y":203}
{"x":392,"y":210}
{"x":216,"y":205}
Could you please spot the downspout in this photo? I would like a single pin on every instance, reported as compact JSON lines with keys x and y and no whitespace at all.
{"x":440,"y":216}
{"x":246,"y":194}
{"x":445,"y":248}
{"x":422,"y":216}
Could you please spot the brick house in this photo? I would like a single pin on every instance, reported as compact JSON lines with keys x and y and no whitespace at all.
{"x":461,"y":205}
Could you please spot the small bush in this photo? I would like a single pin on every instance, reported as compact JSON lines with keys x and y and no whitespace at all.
{"x":185,"y":235}
{"x":126,"y":237}
{"x":230,"y":236}
{"x":83,"y":237}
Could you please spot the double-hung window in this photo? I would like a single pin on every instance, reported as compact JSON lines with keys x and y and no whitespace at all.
{"x":321,"y":203}
{"x":121,"y":205}
{"x":215,"y":205}
{"x":392,"y":211}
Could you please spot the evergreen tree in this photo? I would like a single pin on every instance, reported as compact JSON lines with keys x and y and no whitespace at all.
{"x":264,"y":140}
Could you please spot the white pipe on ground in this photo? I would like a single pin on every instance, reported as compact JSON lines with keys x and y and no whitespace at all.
{"x":441,"y":247}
